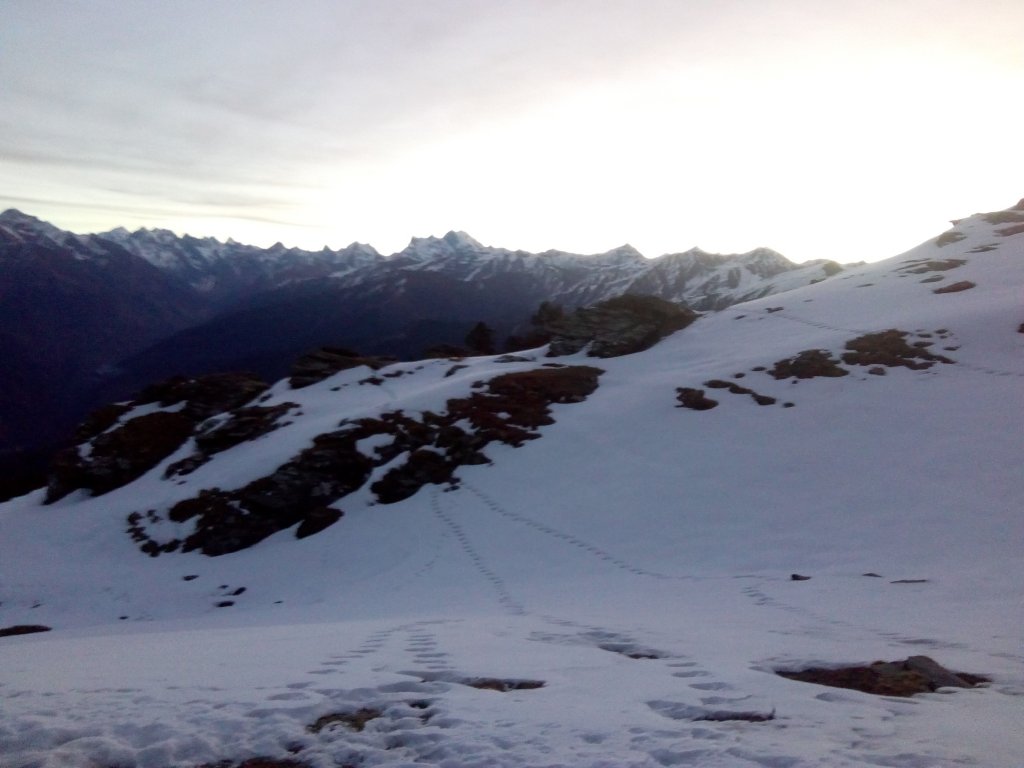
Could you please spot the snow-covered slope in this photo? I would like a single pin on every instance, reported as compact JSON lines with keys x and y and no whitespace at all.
{"x":635,"y":559}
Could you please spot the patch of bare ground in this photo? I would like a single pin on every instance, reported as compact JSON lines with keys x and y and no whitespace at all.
{"x":890,"y":348}
{"x":1008,"y":231}
{"x":736,"y":389}
{"x":694,"y":399}
{"x":1011,"y":216}
{"x":911,"y":676}
{"x":963,"y":285}
{"x":923,"y":266}
{"x":948,"y":238}
{"x":809,"y":364}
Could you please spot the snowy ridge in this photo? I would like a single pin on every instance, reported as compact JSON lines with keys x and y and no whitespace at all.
{"x":210,"y":265}
{"x":229,"y":271}
{"x":634,"y":562}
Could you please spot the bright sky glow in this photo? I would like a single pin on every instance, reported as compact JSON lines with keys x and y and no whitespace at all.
{"x":848,"y":131}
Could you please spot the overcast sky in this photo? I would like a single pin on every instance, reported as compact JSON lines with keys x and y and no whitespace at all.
{"x":844,"y":129}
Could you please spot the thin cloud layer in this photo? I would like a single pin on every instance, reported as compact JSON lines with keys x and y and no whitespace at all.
{"x":536,"y":124}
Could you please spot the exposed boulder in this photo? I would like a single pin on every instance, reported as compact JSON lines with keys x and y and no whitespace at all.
{"x":619,"y":326}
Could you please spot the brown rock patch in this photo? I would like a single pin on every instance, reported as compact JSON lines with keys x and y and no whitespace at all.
{"x":809,"y":364}
{"x":890,"y":348}
{"x":963,"y":285}
{"x":914,"y":675}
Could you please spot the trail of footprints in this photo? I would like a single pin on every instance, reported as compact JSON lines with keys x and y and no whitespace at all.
{"x":568,"y":538}
{"x":505,"y":599}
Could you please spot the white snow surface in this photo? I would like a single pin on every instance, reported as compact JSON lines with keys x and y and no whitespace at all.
{"x":631,"y":526}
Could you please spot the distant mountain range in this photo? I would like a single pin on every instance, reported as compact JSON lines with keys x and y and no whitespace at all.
{"x":89,"y":318}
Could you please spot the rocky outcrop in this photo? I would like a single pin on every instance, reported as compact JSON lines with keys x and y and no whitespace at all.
{"x":317,"y":365}
{"x":239,"y":426}
{"x":119,"y":456}
{"x":118,"y":453}
{"x":619,"y":326}
{"x":416,"y":452}
{"x":204,"y":396}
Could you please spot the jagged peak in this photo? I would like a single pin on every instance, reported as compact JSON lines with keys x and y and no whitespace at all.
{"x":460,"y":239}
{"x":23,"y":224}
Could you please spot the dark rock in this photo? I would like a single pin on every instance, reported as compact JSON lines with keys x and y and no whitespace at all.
{"x":808,"y":364}
{"x":100,"y":420}
{"x":446,"y":351}
{"x":317,"y":365}
{"x":923,"y":266}
{"x":872,"y":575}
{"x":317,"y":520}
{"x":257,"y":762}
{"x":119,"y":456}
{"x":300,"y":491}
{"x":619,"y":326}
{"x":502,"y":686}
{"x":23,"y":629}
{"x":204,"y":396}
{"x":963,"y":285}
{"x":917,"y":674}
{"x":242,"y":425}
{"x":798,"y":577}
{"x":694,"y":399}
